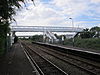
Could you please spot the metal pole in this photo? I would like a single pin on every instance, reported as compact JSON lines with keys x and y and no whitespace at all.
{"x":72,"y":22}
{"x":73,"y":29}
{"x":43,"y":35}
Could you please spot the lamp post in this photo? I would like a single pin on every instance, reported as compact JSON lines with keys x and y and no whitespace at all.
{"x":72,"y":21}
{"x":73,"y":40}
{"x":44,"y":34}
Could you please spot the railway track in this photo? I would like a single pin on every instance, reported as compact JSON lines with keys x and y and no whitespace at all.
{"x":81,"y":63}
{"x":43,"y":65}
{"x":76,"y":52}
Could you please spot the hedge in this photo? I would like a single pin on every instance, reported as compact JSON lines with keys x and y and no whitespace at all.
{"x":92,"y":43}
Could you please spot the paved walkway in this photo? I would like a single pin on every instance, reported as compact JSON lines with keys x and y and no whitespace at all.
{"x":15,"y":62}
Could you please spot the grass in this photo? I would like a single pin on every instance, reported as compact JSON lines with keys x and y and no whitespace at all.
{"x":92,"y":43}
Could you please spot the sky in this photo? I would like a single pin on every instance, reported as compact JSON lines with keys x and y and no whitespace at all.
{"x":84,"y":13}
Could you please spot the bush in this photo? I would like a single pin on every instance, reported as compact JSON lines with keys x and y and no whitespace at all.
{"x":68,"y":42}
{"x":93,"y":43}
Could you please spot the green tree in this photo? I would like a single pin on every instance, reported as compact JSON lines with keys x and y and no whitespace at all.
{"x":37,"y":38}
{"x":7,"y":10}
{"x":87,"y":33}
{"x":96,"y":30}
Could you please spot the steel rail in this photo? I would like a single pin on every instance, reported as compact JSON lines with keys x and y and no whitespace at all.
{"x":76,"y":52}
{"x":63,"y":54}
{"x":89,"y":71}
{"x":64,"y":73}
{"x":32,"y":62}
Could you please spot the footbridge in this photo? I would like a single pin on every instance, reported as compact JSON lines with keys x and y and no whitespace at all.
{"x":47,"y":30}
{"x":44,"y":28}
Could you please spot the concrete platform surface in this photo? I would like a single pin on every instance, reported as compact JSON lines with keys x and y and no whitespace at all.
{"x":15,"y":62}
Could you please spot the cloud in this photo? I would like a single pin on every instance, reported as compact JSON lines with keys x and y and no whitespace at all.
{"x":95,"y":1}
{"x":58,"y":12}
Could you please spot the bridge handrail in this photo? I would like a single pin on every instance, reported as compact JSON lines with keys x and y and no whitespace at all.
{"x":42,"y":28}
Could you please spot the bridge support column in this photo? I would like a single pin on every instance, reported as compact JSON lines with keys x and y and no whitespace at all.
{"x":12,"y":37}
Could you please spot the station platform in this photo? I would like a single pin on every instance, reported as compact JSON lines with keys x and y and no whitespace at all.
{"x":80,"y":49}
{"x":76,"y":48}
{"x":86,"y":50}
{"x":15,"y":62}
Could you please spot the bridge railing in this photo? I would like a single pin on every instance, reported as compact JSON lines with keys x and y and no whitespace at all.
{"x":44,"y":28}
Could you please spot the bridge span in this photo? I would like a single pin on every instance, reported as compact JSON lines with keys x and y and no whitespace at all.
{"x":44,"y":28}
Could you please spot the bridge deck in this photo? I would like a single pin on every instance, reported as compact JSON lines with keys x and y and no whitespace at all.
{"x":45,"y":28}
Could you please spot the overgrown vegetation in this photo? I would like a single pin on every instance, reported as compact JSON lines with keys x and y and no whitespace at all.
{"x":94,"y":32}
{"x":7,"y":9}
{"x":89,"y":38}
{"x":91,"y":43}
{"x":37,"y":38}
{"x":4,"y":29}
